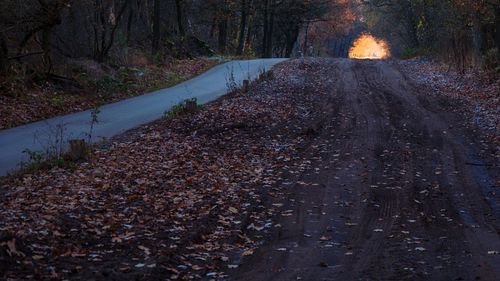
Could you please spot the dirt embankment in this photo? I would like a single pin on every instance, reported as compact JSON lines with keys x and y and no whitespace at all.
{"x":167,"y":200}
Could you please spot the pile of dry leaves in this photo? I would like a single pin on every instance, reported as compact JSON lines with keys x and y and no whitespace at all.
{"x":478,"y":90}
{"x":175,"y":199}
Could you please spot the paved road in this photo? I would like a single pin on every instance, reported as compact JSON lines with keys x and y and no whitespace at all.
{"x":390,"y":193}
{"x":124,"y":115}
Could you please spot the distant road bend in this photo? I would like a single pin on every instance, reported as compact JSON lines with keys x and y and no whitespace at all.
{"x":127,"y":114}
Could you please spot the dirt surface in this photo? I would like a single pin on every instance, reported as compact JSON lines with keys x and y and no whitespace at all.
{"x":476,"y":89}
{"x":327,"y":169}
{"x":397,"y":189}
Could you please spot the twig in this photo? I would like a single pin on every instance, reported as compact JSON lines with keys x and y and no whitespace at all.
{"x":25,"y":55}
{"x":478,"y":164}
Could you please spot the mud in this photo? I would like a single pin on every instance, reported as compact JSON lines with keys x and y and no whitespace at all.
{"x":397,"y":189}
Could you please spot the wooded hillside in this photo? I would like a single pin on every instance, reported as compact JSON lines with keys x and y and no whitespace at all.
{"x":107,"y":50}
{"x":50,"y":31}
{"x":463,"y":32}
{"x":62,"y":56}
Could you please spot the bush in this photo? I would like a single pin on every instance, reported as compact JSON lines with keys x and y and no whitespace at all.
{"x":14,"y":84}
{"x":490,"y":59}
{"x":185,"y":107}
{"x":410,"y":53}
{"x":109,"y":85}
{"x":39,"y":160}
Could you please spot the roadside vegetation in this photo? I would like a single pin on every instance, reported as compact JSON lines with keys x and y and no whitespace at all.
{"x":62,"y":56}
{"x":24,"y":100}
{"x":200,"y":174}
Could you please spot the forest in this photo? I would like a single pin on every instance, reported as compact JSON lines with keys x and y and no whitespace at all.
{"x":49,"y":33}
{"x":249,"y":140}
{"x":52,"y":32}
{"x":106,"y":50}
{"x":462,"y":33}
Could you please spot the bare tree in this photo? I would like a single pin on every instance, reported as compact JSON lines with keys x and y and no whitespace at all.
{"x":105,"y":25}
{"x":156,"y":27}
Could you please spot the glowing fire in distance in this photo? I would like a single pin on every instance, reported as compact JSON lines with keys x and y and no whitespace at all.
{"x":369,"y":47}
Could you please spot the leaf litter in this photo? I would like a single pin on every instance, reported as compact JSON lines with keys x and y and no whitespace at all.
{"x":171,"y":199}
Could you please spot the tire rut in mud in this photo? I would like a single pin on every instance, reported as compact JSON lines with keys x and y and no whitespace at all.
{"x":388,"y":194}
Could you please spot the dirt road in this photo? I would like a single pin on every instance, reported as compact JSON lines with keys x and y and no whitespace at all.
{"x":397,"y":189}
{"x":325,"y":169}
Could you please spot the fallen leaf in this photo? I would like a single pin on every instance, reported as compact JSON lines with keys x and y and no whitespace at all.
{"x":247,"y":253}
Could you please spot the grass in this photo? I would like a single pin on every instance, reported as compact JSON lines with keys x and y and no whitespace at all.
{"x":22,"y":102}
{"x":185,"y":107}
{"x":490,"y":60}
{"x":110,"y":85}
{"x":410,"y":53}
{"x":39,"y":160}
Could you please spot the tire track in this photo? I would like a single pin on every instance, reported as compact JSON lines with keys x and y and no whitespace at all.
{"x":396,"y":201}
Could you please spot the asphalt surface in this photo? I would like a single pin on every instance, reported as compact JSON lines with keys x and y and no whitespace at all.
{"x":397,"y":189}
{"x":119,"y":117}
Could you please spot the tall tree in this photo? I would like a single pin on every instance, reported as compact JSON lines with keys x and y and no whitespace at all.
{"x":223,"y":25}
{"x":105,"y":25}
{"x":4,"y":55}
{"x":43,"y":20}
{"x":243,"y":26}
{"x":180,"y":17}
{"x":156,"y":27}
{"x":497,"y":28}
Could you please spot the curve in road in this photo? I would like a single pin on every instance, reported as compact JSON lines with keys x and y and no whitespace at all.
{"x":119,"y":117}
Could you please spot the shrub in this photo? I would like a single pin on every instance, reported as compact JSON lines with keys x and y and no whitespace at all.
{"x":185,"y":107}
{"x":410,"y":53}
{"x":490,"y":59}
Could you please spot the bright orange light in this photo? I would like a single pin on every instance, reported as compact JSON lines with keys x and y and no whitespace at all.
{"x":369,"y":47}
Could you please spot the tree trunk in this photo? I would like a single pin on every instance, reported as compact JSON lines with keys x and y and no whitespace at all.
{"x":243,"y":23}
{"x":478,"y":36}
{"x":180,"y":18}
{"x":248,"y":40}
{"x":49,"y":18}
{"x":222,"y":26}
{"x":411,"y":24}
{"x":4,"y":55}
{"x":156,"y":27}
{"x":267,"y":47}
{"x":104,"y":32}
{"x":290,"y":41}
{"x":497,"y":27}
{"x":213,"y":27}
{"x":306,"y":38}
{"x":222,"y":35}
{"x":46,"y":48}
{"x":266,"y":28}
{"x":129,"y":24}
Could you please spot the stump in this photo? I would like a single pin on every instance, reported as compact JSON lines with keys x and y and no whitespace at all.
{"x":246,"y":86}
{"x":78,"y":150}
{"x":190,"y":106}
